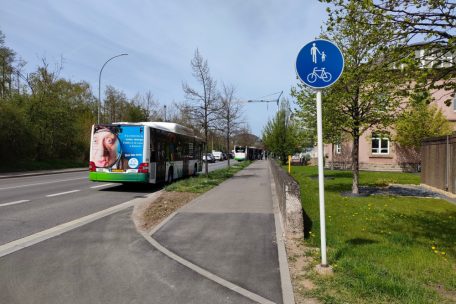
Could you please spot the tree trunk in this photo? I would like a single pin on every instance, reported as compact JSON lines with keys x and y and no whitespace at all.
{"x":206,"y":168}
{"x":355,"y":164}
{"x":228,"y":149}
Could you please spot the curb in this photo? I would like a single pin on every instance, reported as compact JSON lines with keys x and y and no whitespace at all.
{"x":285,"y":278}
{"x":38,"y":173}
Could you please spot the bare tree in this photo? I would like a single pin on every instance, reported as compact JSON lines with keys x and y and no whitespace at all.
{"x":229,"y":115}
{"x":150,"y":105}
{"x":203,"y":105}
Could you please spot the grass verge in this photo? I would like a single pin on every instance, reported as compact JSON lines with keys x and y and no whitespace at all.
{"x":201,"y":183}
{"x":29,"y":165}
{"x":180,"y":193}
{"x":384,"y":249}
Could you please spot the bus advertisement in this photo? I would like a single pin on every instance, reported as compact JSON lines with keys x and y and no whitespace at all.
{"x":149,"y":152}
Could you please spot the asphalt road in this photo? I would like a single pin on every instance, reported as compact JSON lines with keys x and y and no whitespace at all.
{"x":105,"y":261}
{"x":32,"y":204}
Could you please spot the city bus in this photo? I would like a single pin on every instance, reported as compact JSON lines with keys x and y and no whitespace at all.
{"x":240,"y":153}
{"x":143,"y":152}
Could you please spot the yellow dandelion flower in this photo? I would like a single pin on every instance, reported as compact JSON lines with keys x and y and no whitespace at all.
{"x":443,"y":252}
{"x":436,"y":251}
{"x":433,"y":247}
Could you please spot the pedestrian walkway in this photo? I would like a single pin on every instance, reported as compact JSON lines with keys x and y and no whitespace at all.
{"x":229,"y":234}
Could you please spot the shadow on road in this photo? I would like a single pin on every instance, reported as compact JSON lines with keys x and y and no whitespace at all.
{"x":133,"y":188}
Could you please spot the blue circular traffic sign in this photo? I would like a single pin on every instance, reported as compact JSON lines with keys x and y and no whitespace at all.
{"x":319,"y":64}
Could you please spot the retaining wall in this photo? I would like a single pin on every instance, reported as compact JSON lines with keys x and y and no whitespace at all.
{"x":289,"y":196}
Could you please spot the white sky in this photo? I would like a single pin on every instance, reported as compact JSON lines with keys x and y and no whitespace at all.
{"x":251,"y":44}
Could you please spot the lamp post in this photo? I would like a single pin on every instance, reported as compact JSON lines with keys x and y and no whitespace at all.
{"x":99,"y":84}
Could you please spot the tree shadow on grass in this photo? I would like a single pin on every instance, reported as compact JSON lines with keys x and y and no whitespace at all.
{"x":425,"y":227}
{"x":360,"y":241}
{"x":334,"y":174}
{"x":339,"y":187}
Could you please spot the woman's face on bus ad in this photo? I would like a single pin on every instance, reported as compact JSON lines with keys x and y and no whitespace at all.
{"x":104,"y":148}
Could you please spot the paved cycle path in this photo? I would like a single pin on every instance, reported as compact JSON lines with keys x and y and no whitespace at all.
{"x":230,"y":232}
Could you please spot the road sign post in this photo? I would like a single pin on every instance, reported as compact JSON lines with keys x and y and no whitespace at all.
{"x":319,"y":64}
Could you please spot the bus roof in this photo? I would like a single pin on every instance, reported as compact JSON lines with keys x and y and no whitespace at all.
{"x":165,"y":126}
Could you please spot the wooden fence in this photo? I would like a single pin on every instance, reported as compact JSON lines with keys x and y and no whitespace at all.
{"x":438,"y":162}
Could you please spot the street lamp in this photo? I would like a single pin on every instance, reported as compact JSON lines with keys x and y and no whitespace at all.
{"x":99,"y":84}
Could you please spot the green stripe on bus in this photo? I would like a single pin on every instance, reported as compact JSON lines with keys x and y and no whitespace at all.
{"x":119,"y":177}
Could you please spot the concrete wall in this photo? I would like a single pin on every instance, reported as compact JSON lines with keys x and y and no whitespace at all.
{"x":289,"y":196}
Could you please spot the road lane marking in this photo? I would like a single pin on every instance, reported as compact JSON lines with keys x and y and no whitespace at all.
{"x":14,"y":203}
{"x":99,"y":186}
{"x":209,"y":275}
{"x":62,"y":193}
{"x":37,"y":184}
{"x":60,"y":229}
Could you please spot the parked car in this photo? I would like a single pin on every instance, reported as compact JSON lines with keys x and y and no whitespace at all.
{"x":296,"y":159}
{"x":217,"y":155}
{"x":224,"y":156}
{"x":209,"y":158}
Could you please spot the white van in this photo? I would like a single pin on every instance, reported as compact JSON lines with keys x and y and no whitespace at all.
{"x":217,"y":155}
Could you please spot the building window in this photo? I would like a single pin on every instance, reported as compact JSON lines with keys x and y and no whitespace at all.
{"x":454,"y":103}
{"x":380,"y":144}
{"x":338,"y":148}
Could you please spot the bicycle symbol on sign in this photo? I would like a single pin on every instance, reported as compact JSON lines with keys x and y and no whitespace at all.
{"x":322,"y":74}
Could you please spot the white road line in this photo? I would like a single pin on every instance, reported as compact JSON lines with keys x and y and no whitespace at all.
{"x":99,"y":186}
{"x":14,"y":203}
{"x":62,"y":193}
{"x":58,"y":230}
{"x":37,"y":184}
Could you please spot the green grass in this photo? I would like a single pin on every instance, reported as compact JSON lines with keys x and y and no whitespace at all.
{"x":201,"y":183}
{"x":29,"y":165}
{"x":381,"y":247}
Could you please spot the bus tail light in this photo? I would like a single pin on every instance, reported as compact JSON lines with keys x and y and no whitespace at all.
{"x":92,"y":167}
{"x":143,"y":168}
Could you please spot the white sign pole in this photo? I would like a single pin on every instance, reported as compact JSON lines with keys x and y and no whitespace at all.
{"x":321,"y":182}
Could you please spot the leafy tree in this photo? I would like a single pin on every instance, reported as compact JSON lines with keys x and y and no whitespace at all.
{"x":431,"y":23}
{"x":306,"y":119}
{"x":15,"y":132}
{"x":7,"y":58}
{"x":369,"y":92}
{"x":203,"y":105}
{"x":420,"y":121}
{"x":280,"y":134}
